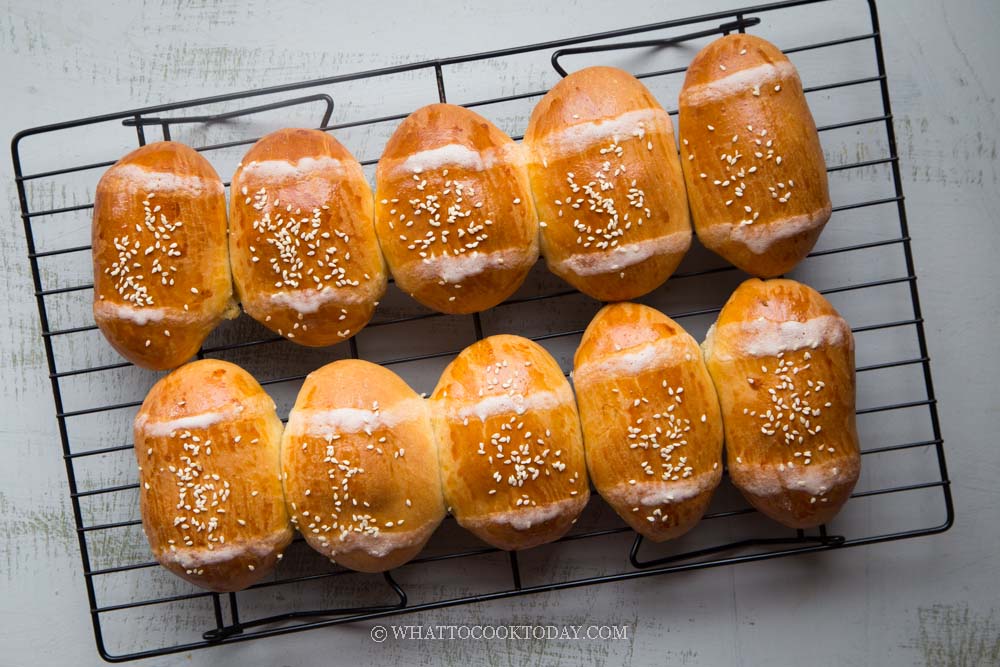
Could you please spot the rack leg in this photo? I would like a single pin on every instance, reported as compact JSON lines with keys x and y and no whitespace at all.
{"x":515,"y":570}
{"x":217,"y":605}
{"x":477,"y":323}
{"x":234,"y":612}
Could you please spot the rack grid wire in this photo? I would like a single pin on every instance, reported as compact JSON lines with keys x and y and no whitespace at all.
{"x":227,"y":623}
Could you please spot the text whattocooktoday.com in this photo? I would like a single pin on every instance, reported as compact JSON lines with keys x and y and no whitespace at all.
{"x":381,"y":633}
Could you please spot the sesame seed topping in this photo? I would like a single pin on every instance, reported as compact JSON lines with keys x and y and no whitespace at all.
{"x":601,"y":195}
{"x":155,"y":241}
{"x":299,"y":248}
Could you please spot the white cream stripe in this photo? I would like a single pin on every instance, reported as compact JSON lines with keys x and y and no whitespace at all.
{"x":308,"y":301}
{"x":455,"y":269}
{"x":257,"y":403}
{"x":461,"y":156}
{"x":525,"y":517}
{"x":623,"y":256}
{"x":199,"y":421}
{"x":651,"y":494}
{"x":762,"y":234}
{"x":741,"y":80}
{"x":583,"y":136}
{"x":257,"y":548}
{"x":505,"y":404}
{"x":148,"y":182}
{"x":766,"y":338}
{"x":633,"y":361}
{"x":106,"y":310}
{"x":322,"y":423}
{"x":280,"y":169}
{"x":377,"y":546}
{"x":815,"y":479}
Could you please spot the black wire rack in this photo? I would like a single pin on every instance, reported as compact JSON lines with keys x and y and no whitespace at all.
{"x":889,"y":302}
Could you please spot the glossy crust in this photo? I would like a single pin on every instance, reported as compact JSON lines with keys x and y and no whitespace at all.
{"x":607,"y":184}
{"x":753,"y":164}
{"x":206,"y":440}
{"x":359,"y":462}
{"x":453,"y":210}
{"x":305,"y":259}
{"x":652,"y":428}
{"x":510,"y":447}
{"x":782,"y":359}
{"x":161,"y":265}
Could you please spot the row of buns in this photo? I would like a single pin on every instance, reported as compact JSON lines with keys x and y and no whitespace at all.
{"x":460,"y":211}
{"x":366,"y":468}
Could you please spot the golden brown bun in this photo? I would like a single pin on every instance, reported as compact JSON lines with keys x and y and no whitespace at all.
{"x":302,"y":238}
{"x":782,"y":359}
{"x":753,"y":164}
{"x":651,"y":422}
{"x":206,"y":440}
{"x":359,"y":462}
{"x":607,"y":185}
{"x":453,"y":210}
{"x":510,"y":447}
{"x":161,"y":266}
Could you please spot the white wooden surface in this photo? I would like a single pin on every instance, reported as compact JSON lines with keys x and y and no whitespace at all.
{"x":927,"y":601}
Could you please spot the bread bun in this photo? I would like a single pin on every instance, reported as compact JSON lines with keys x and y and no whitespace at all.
{"x":453,"y":210}
{"x":206,"y":440}
{"x":782,"y":359}
{"x":510,"y":447}
{"x":302,"y":238}
{"x":161,"y":266}
{"x":754,"y":168}
{"x":607,"y":185}
{"x":652,"y":428}
{"x":360,"y":468}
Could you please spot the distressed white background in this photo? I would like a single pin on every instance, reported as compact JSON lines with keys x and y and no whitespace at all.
{"x":927,"y":601}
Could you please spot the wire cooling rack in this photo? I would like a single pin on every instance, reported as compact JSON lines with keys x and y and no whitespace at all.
{"x":863,"y":264}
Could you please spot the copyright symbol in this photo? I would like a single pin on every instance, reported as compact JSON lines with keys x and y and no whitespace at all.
{"x":379,"y":634}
